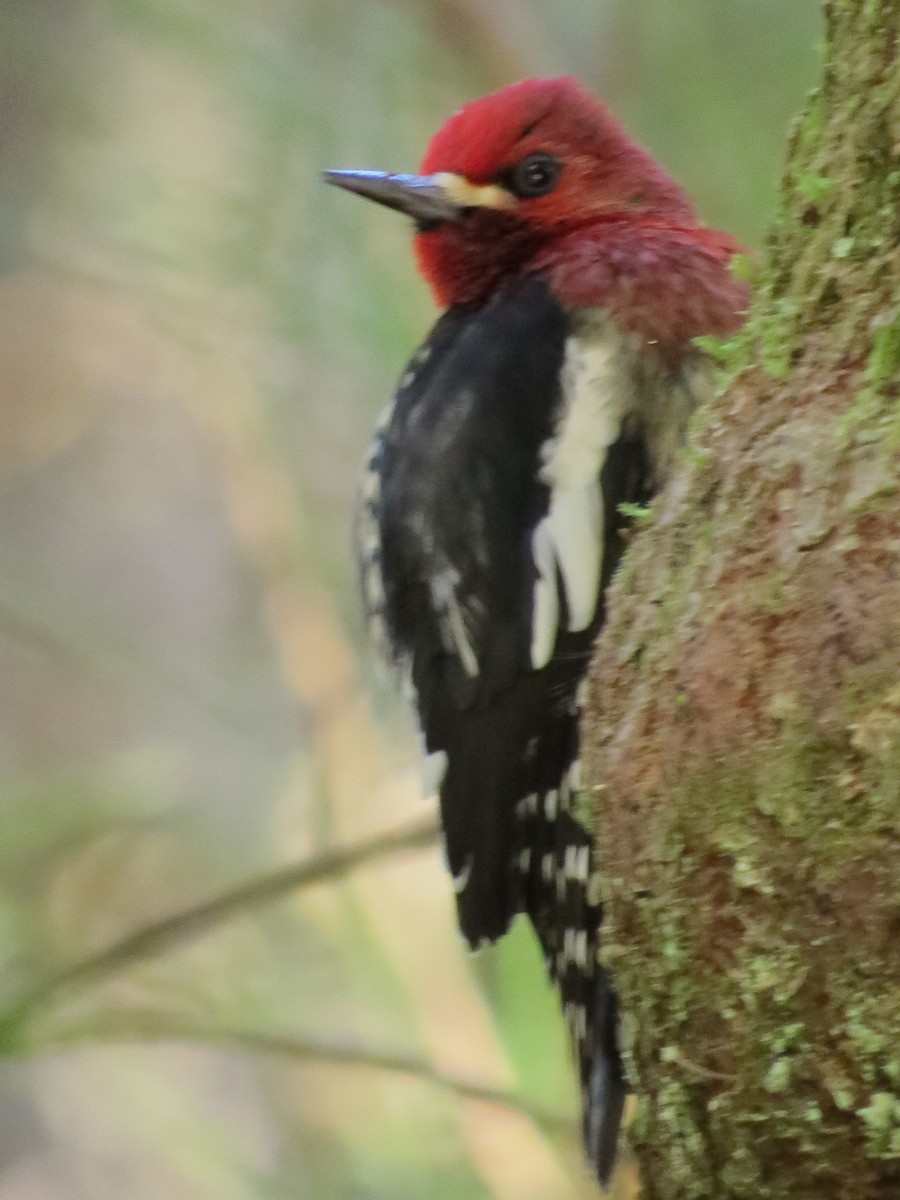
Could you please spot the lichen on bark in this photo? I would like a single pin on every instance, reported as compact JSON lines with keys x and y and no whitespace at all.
{"x":743,"y":731}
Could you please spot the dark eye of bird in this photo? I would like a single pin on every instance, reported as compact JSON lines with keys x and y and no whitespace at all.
{"x":535,"y":175}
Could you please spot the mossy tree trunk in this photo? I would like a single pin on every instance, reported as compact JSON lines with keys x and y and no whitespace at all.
{"x":744,"y":725}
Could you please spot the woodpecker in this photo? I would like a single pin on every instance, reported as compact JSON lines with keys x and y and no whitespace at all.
{"x":555,"y":389}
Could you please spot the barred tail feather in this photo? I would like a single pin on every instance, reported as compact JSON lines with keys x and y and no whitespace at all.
{"x":560,"y":895}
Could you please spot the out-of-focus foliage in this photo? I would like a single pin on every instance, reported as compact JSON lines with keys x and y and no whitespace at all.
{"x":195,"y":338}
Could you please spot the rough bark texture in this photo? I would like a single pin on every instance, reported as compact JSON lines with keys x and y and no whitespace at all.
{"x":744,"y":727}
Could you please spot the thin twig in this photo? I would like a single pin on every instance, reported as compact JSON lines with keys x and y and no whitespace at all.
{"x":160,"y":936}
{"x":137,"y":1026}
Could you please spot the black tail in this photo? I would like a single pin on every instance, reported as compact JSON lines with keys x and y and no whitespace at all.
{"x":603,"y":1086}
{"x":561,"y":897}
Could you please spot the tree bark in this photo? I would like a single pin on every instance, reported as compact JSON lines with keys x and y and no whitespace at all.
{"x":743,"y":730}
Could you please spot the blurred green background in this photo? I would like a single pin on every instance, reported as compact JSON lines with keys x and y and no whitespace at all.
{"x":195,"y":340}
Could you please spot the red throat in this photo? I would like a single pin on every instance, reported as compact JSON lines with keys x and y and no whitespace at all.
{"x":464,"y":261}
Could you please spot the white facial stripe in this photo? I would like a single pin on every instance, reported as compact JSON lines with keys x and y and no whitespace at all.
{"x":474,"y":195}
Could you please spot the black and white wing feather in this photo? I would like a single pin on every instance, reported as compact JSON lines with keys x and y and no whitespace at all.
{"x":489,"y":530}
{"x":490,"y":525}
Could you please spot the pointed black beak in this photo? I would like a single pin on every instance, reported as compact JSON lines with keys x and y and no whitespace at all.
{"x":421,"y":197}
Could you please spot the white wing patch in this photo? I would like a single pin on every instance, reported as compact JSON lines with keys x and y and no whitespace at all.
{"x":452,"y":617}
{"x":598,"y":390}
{"x":545,"y":609}
{"x":461,"y":879}
{"x":434,"y":768}
{"x":368,"y":541}
{"x":576,"y":527}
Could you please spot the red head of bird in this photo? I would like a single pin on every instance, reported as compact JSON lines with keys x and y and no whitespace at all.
{"x":540,"y":177}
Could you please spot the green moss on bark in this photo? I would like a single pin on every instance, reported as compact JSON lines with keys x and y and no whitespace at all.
{"x":744,"y":728}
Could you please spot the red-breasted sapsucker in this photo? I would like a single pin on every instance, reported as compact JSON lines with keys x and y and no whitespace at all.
{"x":555,"y":388}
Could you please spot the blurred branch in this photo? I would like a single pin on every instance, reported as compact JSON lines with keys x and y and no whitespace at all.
{"x":143,"y":1026}
{"x":158,"y":937}
{"x":55,"y":626}
{"x":500,"y":35}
